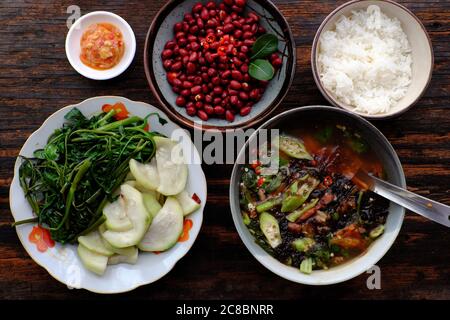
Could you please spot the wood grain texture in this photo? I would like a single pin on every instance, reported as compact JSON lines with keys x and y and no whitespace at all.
{"x":36,"y":80}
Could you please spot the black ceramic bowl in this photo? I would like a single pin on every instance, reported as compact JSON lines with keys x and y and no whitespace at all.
{"x":161,"y":31}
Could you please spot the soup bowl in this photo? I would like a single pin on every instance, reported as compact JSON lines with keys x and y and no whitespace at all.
{"x":394,"y":174}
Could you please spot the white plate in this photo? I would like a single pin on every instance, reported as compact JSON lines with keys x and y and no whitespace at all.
{"x":62,"y":262}
{"x":73,"y":48}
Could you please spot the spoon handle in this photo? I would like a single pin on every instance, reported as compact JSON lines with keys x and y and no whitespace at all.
{"x":430,"y":209}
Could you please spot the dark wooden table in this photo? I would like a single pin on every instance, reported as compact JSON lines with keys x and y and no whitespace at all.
{"x":36,"y":80}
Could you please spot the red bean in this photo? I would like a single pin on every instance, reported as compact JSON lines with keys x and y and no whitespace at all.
{"x":228,"y":28}
{"x":236,"y":75}
{"x":180,"y":101}
{"x":187,"y":84}
{"x":195,"y":46}
{"x":199,"y":97}
{"x":215,"y":80}
{"x":277,"y":63}
{"x":237,"y":34}
{"x":232,"y":92}
{"x":211,"y":5}
{"x":199,"y":105}
{"x":197,"y":7}
{"x":223,"y":15}
{"x":226,"y":74}
{"x":254,"y":16}
{"x":170,"y":45}
{"x":219,"y":110}
{"x":244,"y":68}
{"x":228,"y":2}
{"x":236,"y":8}
{"x":217,"y":90}
{"x":237,"y":62}
{"x":273,"y":56}
{"x":208,"y":98}
{"x":247,"y":35}
{"x":212,"y":72}
{"x":229,"y":116}
{"x":191,"y":111}
{"x":185,"y":92}
{"x":202,"y":115}
{"x":193,"y":57}
{"x":200,"y":23}
{"x":234,"y":100}
{"x":178,"y":27}
{"x":204,"y":14}
{"x":166,"y":54}
{"x":248,"y":42}
{"x":243,"y":96}
{"x":190,"y":67}
{"x":198,"y":80}
{"x":177,"y":66}
{"x":167,"y":64}
{"x":217,"y":100}
{"x":194,"y":29}
{"x":209,"y":109}
{"x":211,"y":23}
{"x":254,"y":94}
{"x":196,"y":90}
{"x":185,"y":60}
{"x":235,"y":85}
{"x":177,"y":83}
{"x":245,"y":111}
{"x":182,"y":42}
{"x":245,"y":86}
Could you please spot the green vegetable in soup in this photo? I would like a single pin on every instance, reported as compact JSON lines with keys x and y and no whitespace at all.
{"x":292,"y":147}
{"x":269,"y":226}
{"x":303,"y":244}
{"x":269,"y":204}
{"x":306,"y":266}
{"x":298,"y":195}
{"x":376,"y":232}
{"x":249,"y":178}
{"x":292,"y":217}
{"x":324,"y":135}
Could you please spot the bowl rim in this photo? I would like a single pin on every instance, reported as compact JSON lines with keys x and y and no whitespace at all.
{"x":95,"y":75}
{"x":11,"y":195}
{"x":252,"y":246}
{"x":334,"y":101}
{"x":181,"y":118}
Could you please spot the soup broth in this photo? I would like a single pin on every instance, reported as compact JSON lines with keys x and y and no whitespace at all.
{"x":313,"y":213}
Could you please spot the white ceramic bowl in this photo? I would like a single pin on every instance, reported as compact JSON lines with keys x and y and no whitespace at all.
{"x":62,"y":262}
{"x":391,"y":165}
{"x":73,"y":48}
{"x":422,"y":53}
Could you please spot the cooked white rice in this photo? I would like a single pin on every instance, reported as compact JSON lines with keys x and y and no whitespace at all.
{"x":366,"y":61}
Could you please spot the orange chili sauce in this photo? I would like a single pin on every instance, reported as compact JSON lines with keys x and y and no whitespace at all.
{"x":102,"y":46}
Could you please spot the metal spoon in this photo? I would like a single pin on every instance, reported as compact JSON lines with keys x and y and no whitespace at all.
{"x":427,"y":208}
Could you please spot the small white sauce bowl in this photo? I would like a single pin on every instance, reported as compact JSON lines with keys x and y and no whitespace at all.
{"x":73,"y":48}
